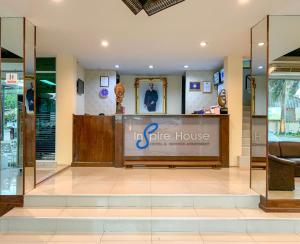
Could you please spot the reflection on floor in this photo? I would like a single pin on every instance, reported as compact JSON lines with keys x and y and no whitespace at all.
{"x":287,"y":194}
{"x":11,"y":179}
{"x":259,"y":186}
{"x":258,"y":181}
{"x":152,"y":238}
{"x":147,"y":181}
{"x":44,"y":170}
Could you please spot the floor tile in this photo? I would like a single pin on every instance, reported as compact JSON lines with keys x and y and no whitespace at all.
{"x":83,"y":212}
{"x":274,"y":237}
{"x":30,"y":212}
{"x":176,"y":237}
{"x":22,"y":237}
{"x":74,"y":237}
{"x":126,"y":242}
{"x":228,"y":237}
{"x":219,"y":213}
{"x":126,"y":237}
{"x":128,"y":213}
{"x":174,"y":213}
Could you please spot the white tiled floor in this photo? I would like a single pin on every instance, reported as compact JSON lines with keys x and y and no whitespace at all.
{"x":146,"y":181}
{"x":151,"y":238}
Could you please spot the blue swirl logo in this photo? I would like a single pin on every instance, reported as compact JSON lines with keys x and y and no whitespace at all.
{"x":149,"y":130}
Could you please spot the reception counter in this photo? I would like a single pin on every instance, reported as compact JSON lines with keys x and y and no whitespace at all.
{"x":164,"y":140}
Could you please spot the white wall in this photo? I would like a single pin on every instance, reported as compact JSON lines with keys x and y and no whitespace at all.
{"x":80,"y":99}
{"x":174,"y":91}
{"x":66,"y":75}
{"x":94,"y":104}
{"x":197,"y":100}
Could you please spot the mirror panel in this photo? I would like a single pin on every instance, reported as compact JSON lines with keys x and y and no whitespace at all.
{"x":259,"y":43}
{"x":29,"y":91}
{"x":11,"y":106}
{"x":284,"y":108}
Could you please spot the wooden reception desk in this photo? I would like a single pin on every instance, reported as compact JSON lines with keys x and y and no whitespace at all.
{"x":165,"y":140}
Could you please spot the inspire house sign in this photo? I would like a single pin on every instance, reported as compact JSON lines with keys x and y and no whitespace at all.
{"x":171,"y":136}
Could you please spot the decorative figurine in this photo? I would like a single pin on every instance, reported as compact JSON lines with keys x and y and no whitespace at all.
{"x":119,"y":91}
{"x":222,"y":101}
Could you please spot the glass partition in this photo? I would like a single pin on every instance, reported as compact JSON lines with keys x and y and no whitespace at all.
{"x":259,"y":72}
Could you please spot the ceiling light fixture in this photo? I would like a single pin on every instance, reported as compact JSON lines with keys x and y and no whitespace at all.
{"x":117,"y":66}
{"x":104,"y":43}
{"x":150,"y":6}
{"x":203,"y":44}
{"x":260,"y":67}
{"x":242,"y":2}
{"x":186,"y":66}
{"x":151,"y":67}
{"x":261,"y":44}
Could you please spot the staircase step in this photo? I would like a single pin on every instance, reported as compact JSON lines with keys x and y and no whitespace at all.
{"x":145,"y":201}
{"x":95,"y":220}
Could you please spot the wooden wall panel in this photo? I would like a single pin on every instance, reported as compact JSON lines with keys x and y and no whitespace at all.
{"x":93,"y":140}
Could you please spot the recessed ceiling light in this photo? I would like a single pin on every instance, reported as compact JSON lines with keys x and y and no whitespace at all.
{"x":57,"y":1}
{"x":151,"y":67}
{"x":242,"y":2}
{"x":260,"y":67}
{"x":261,"y":44}
{"x":203,"y":44}
{"x":186,"y":66}
{"x":104,"y":43}
{"x":117,"y":66}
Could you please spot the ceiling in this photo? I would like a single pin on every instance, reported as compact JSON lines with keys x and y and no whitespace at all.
{"x":168,"y":40}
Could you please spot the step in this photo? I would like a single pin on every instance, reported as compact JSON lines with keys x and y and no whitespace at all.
{"x":94,"y":220}
{"x":145,"y":201}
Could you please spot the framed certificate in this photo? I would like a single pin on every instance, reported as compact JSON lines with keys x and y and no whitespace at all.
{"x":207,"y":87}
{"x":104,"y":81}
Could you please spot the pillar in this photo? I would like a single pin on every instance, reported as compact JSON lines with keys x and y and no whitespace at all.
{"x":66,"y":76}
{"x":233,"y":84}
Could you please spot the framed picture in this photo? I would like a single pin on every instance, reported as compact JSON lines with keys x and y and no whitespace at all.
{"x":104,"y":81}
{"x":207,"y":87}
{"x":151,"y":95}
{"x":195,"y":86}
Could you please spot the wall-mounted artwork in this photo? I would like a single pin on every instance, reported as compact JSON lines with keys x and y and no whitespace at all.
{"x":195,"y":86}
{"x":104,"y":81}
{"x":151,"y":95}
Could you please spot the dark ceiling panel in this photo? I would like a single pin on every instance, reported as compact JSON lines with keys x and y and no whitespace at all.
{"x":150,"y":6}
